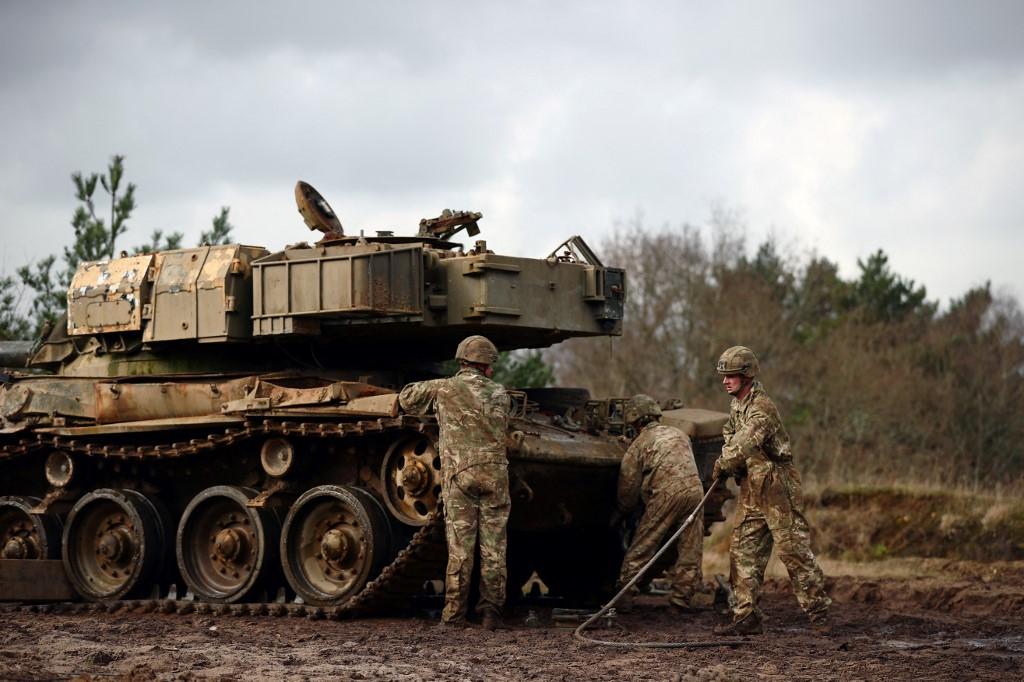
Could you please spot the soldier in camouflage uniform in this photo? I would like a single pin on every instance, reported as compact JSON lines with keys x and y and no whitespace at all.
{"x":659,"y":470}
{"x":770,"y":509}
{"x":472,"y":412}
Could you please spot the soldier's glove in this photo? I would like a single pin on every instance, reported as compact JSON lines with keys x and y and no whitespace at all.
{"x":717,"y":473}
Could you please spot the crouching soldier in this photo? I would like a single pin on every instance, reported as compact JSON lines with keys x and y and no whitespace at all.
{"x":770,"y":509}
{"x":658,"y":469}
{"x":472,"y":413}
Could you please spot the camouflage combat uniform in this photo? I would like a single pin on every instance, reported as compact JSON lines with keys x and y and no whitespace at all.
{"x":770,"y":508}
{"x":473,"y":413}
{"x":659,"y":469}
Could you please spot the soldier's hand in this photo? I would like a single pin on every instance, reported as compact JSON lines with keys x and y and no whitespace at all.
{"x":716,"y":473}
{"x":615,"y":519}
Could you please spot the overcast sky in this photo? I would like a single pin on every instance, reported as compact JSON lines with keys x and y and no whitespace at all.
{"x":842,"y":127}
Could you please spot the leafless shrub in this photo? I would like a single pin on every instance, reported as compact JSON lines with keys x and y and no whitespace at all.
{"x":875,"y":382}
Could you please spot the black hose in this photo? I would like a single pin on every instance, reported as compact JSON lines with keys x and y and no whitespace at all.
{"x":700,"y":644}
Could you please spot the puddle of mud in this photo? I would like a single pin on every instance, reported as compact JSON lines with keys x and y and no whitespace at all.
{"x":1013,"y":644}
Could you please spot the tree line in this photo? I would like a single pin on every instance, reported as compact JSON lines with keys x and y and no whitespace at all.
{"x":875,"y":381}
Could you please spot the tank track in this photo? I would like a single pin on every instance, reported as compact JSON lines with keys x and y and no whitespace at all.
{"x":423,"y":559}
{"x":212,"y":442}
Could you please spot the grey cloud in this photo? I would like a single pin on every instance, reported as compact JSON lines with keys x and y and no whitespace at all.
{"x":837,"y":121}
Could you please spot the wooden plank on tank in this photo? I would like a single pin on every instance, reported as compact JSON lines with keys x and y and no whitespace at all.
{"x":34,"y":580}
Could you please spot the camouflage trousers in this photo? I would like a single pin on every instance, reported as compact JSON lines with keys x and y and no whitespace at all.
{"x":476,"y":508}
{"x":752,"y":541}
{"x":662,"y":517}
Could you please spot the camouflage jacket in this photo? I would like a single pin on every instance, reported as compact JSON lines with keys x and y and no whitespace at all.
{"x":472,"y":412}
{"x":659,"y":460}
{"x":757,"y":450}
{"x":754,"y":433}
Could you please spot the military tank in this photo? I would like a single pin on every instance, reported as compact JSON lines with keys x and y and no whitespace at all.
{"x":219,"y":425}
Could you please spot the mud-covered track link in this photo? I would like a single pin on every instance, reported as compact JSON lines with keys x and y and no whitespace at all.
{"x":212,"y":442}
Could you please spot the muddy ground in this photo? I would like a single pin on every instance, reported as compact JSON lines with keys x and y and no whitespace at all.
{"x":896,"y":620}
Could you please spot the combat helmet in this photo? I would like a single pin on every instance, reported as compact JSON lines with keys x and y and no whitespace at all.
{"x":739,"y":360}
{"x":640,"y":406}
{"x":477,"y":349}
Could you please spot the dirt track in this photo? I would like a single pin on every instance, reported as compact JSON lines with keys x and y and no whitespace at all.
{"x":960,"y":621}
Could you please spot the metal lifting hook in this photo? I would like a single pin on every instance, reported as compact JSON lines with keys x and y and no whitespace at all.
{"x":578,"y":633}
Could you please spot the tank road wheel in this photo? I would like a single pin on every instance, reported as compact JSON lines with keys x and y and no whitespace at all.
{"x":24,"y":535}
{"x":114,"y":544}
{"x":411,"y":473}
{"x":226,"y":550}
{"x":335,"y":540}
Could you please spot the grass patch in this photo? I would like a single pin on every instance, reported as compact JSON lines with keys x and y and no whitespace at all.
{"x":868,"y":523}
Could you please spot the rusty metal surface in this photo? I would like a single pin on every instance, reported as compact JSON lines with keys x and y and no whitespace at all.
{"x":107,"y":296}
{"x":446,"y":225}
{"x":202,"y":293}
{"x":130,"y":401}
{"x":228,"y":436}
{"x":339,"y":283}
{"x":34,"y":580}
{"x":316,"y":212}
{"x":47,"y":396}
{"x":147,"y":426}
{"x":536,"y":442}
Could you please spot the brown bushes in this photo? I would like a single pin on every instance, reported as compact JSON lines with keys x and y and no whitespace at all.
{"x":875,"y":382}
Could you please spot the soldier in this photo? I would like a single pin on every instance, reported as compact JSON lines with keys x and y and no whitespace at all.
{"x":472,"y":412}
{"x":659,"y":469}
{"x":770,"y":508}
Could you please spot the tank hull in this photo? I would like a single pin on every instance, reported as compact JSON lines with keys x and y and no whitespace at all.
{"x":349,"y":435}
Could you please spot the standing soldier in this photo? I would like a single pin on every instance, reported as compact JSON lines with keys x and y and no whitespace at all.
{"x":472,"y":412}
{"x":659,"y":469}
{"x":770,"y":508}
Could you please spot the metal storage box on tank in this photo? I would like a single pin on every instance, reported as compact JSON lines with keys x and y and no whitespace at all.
{"x":530,"y":293}
{"x":108,"y":296}
{"x":295,"y":287}
{"x":201,"y":294}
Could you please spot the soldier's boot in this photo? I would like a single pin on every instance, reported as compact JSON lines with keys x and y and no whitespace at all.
{"x":700,"y":599}
{"x":492,"y":621}
{"x":821,"y":622}
{"x":683,"y":605}
{"x":748,"y":625}
{"x":454,"y":624}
